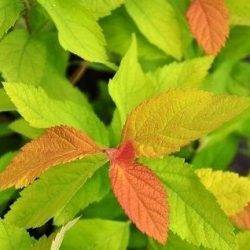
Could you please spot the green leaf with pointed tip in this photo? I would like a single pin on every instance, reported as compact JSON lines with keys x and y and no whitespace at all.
{"x":12,"y":238}
{"x":9,"y":13}
{"x":5,"y":102}
{"x":101,"y":8}
{"x":78,"y":30}
{"x":195,"y":215}
{"x":92,"y":191}
{"x":239,"y":11}
{"x":97,"y":234}
{"x":22,"y":127}
{"x":130,"y":85}
{"x":52,"y":192}
{"x":158,"y":22}
{"x":41,"y":111}
{"x":189,"y":73}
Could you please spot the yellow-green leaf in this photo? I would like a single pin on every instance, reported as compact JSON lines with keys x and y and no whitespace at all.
{"x":165,"y":123}
{"x":231,"y":191}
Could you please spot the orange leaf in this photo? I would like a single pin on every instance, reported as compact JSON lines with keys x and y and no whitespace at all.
{"x":139,"y":192}
{"x":242,"y":219}
{"x":209,"y":23}
{"x":57,"y":145}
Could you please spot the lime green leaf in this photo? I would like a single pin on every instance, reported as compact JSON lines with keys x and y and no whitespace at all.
{"x":107,"y":208}
{"x":57,"y":242}
{"x":158,"y":22}
{"x":231,"y":191}
{"x":78,"y":30}
{"x":101,"y":8}
{"x":174,"y":243}
{"x":52,"y":192}
{"x":195,"y":215}
{"x":119,"y":36}
{"x":9,"y":13}
{"x":41,"y":111}
{"x":217,"y":155}
{"x":130,"y":85}
{"x":243,"y":240}
{"x":97,"y":234}
{"x":92,"y":191}
{"x":189,"y":73}
{"x":22,"y":127}
{"x":5,"y":102}
{"x":239,"y":12}
{"x":12,"y":237}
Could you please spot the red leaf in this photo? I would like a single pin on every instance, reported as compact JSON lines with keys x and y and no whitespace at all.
{"x":209,"y":23}
{"x":139,"y":192}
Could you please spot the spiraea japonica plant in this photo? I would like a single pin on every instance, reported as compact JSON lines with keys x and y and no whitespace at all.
{"x":148,"y":160}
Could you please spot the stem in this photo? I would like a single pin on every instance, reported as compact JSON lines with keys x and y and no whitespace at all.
{"x":79,"y":72}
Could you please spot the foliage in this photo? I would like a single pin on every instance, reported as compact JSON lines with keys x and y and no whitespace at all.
{"x":120,"y":120}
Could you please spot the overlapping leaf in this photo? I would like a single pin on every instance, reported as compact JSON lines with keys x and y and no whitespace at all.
{"x":231,"y":191}
{"x":56,"y":146}
{"x":209,"y":23}
{"x":158,"y":22}
{"x":163,"y":124}
{"x":194,"y":213}
{"x":54,"y":191}
{"x":78,"y":30}
{"x":139,"y":192}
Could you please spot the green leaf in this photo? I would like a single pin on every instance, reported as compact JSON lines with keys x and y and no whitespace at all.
{"x":25,"y":64}
{"x":12,"y":237}
{"x":239,"y":12}
{"x":195,"y":215}
{"x":231,"y":191}
{"x":107,"y":208}
{"x":118,"y":36}
{"x":189,"y":73}
{"x":243,"y":240}
{"x":174,"y":243}
{"x":101,"y":8}
{"x":52,"y":192}
{"x":57,"y":242}
{"x":97,"y":234}
{"x":5,"y":102}
{"x":130,"y":85}
{"x":43,"y":243}
{"x":92,"y":191}
{"x":6,"y":195}
{"x":217,"y":155}
{"x":9,"y":13}
{"x":22,"y":127}
{"x":41,"y":111}
{"x":78,"y":30}
{"x":158,"y":22}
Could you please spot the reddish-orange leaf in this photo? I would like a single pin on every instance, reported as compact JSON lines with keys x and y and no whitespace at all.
{"x":209,"y":23}
{"x":139,"y":192}
{"x":57,"y":145}
{"x":242,"y":219}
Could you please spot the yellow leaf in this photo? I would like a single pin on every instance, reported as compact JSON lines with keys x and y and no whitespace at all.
{"x":165,"y":123}
{"x":231,"y":191}
{"x":57,"y":145}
